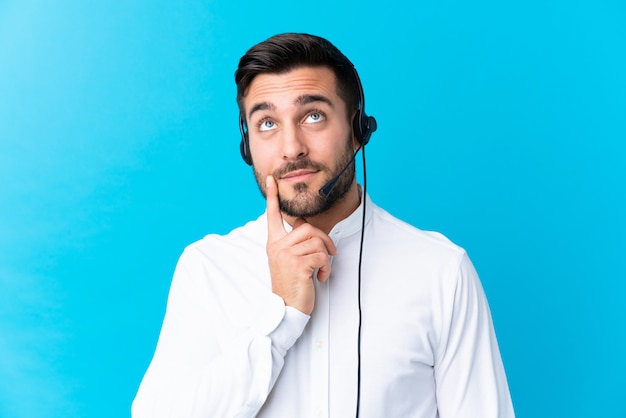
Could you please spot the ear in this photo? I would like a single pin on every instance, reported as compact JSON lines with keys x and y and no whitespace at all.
{"x":355,"y":142}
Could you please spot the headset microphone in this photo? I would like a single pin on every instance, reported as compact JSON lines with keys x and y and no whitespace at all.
{"x":330,"y":185}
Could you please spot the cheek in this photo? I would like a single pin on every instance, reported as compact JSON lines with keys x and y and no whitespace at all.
{"x":355,"y":143}
{"x":261,"y":157}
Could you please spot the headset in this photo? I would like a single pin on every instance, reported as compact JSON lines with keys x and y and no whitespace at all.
{"x":362,"y":125}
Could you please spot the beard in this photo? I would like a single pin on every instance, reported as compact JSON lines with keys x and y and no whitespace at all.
{"x":307,"y":202}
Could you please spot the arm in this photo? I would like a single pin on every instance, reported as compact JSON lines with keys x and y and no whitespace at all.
{"x":206,"y":362}
{"x":203,"y":367}
{"x":469,"y":374}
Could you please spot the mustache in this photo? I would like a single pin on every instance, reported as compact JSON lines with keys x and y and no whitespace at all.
{"x":298,"y":165}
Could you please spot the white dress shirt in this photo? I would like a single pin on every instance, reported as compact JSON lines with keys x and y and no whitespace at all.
{"x":230,"y":348}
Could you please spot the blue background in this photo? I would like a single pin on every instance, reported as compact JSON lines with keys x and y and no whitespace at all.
{"x":501,"y":125}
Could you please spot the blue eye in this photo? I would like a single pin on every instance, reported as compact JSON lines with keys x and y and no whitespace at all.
{"x":266,"y":125}
{"x":314,"y":117}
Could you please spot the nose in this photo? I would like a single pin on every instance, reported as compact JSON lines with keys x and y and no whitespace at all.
{"x":293,"y":144}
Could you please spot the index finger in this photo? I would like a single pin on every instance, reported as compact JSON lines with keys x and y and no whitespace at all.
{"x":275,"y":226}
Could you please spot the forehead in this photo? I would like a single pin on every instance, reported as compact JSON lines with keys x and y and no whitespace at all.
{"x":281,"y":89}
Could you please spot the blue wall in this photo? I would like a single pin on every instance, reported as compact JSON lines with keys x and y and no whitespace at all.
{"x":501,"y":124}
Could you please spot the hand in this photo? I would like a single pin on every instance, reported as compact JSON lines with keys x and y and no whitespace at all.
{"x":294,"y":257}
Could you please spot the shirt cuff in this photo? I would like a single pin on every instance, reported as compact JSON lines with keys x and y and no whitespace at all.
{"x":271,"y":316}
{"x":289,"y":329}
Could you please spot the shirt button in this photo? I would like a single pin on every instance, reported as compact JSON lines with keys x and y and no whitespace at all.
{"x":319,"y":344}
{"x":319,"y":412}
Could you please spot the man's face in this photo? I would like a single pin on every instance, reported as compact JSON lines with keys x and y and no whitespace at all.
{"x":299,"y":133}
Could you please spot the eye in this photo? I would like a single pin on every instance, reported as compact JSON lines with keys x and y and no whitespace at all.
{"x":314,"y":117}
{"x":266,"y":125}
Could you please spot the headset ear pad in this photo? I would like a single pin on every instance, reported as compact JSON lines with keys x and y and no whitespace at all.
{"x":244,"y":146}
{"x":363,"y":126}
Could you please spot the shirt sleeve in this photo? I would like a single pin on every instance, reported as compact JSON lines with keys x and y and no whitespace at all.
{"x":469,"y":373}
{"x":205,"y":367}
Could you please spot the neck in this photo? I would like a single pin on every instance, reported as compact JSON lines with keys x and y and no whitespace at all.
{"x":340,"y":211}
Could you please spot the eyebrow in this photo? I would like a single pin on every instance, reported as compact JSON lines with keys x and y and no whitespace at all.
{"x":312,"y":98}
{"x":300,"y":101}
{"x":260,"y":106}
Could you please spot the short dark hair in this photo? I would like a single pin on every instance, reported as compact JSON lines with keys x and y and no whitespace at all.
{"x":285,"y":52}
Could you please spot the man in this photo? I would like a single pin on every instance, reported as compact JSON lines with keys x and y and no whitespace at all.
{"x":296,"y":314}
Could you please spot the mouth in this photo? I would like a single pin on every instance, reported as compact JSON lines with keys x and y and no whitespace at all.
{"x":298,"y":176}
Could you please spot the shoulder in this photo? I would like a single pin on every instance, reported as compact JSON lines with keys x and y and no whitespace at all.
{"x":218,"y":264}
{"x":239,"y":243}
{"x":397,"y":233}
